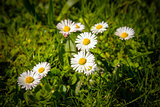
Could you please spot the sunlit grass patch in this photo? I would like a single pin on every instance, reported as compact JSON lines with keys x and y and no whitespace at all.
{"x":124,"y":71}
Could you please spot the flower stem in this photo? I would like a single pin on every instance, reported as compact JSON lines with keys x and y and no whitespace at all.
{"x":69,"y":46}
{"x":79,"y":84}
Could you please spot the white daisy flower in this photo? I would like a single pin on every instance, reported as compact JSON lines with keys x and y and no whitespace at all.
{"x":99,"y":28}
{"x":81,"y":61}
{"x":79,"y":27}
{"x":28,"y":80}
{"x":42,"y":69}
{"x":91,"y":69}
{"x":85,"y":41}
{"x":125,"y":33}
{"x":66,"y":27}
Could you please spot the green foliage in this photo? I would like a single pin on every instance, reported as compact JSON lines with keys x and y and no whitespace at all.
{"x":128,"y":73}
{"x":50,"y":13}
{"x":66,"y":7}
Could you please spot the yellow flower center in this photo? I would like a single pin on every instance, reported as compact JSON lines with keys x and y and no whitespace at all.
{"x":66,"y":29}
{"x":86,"y":41}
{"x":98,"y":26}
{"x":29,"y":79}
{"x":77,"y":26}
{"x":90,"y":67}
{"x":40,"y":70}
{"x":124,"y":35}
{"x":82,"y":61}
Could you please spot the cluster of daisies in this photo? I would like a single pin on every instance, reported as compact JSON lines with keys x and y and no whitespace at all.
{"x":67,"y":26}
{"x":84,"y":61}
{"x":30,"y":79}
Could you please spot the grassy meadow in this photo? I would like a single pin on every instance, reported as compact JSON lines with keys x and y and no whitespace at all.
{"x":128,"y":70}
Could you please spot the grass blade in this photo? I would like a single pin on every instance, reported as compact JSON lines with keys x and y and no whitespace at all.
{"x":31,"y":9}
{"x":66,"y":7}
{"x":50,"y":13}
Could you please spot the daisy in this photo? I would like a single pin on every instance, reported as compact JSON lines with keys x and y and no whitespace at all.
{"x":42,"y":69}
{"x":66,"y":27}
{"x":81,"y":61}
{"x":79,"y":27}
{"x":125,"y":33}
{"x":28,"y":80}
{"x":85,"y":41}
{"x":91,"y":69}
{"x":99,"y":28}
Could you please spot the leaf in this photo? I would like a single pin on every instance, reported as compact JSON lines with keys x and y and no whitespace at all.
{"x":78,"y":86}
{"x":47,"y":87}
{"x":142,"y":54}
{"x":74,"y":79}
{"x":61,"y":53}
{"x":72,"y":46}
{"x":115,"y":62}
{"x":66,"y":7}
{"x":87,"y":26}
{"x":54,"y":71}
{"x":136,"y":65}
{"x":26,"y":97}
{"x":14,"y":51}
{"x":38,"y":95}
{"x":50,"y":13}
{"x":63,"y":88}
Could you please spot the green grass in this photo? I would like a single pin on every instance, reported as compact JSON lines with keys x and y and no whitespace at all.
{"x":28,"y":35}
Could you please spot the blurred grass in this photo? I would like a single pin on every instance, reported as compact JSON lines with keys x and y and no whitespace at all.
{"x":28,"y":35}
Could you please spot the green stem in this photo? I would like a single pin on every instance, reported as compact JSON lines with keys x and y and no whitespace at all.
{"x":79,"y":84}
{"x":81,"y":78}
{"x":69,"y":46}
